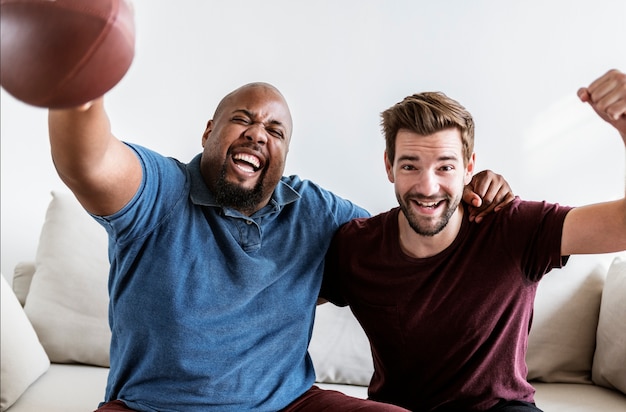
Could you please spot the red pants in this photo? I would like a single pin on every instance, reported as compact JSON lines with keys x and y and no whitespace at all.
{"x":313,"y":400}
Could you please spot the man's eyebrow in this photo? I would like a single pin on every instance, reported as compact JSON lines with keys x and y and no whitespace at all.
{"x":409,"y":158}
{"x":243,"y":111}
{"x":414,"y":158}
{"x":448,"y":157}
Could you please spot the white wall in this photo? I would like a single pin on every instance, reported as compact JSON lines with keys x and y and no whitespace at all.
{"x":515,"y":64}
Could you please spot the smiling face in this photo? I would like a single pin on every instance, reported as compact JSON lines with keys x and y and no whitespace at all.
{"x":245,"y":147}
{"x":429,"y":174}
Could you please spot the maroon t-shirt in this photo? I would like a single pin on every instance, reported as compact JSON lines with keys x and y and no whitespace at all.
{"x":448,"y":332}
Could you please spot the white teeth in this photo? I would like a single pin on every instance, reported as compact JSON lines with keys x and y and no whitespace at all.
{"x":433,"y":204}
{"x":253,"y":160}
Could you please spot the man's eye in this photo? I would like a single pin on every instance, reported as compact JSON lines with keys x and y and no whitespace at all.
{"x":447,"y":168}
{"x":241,"y":120}
{"x":276,"y":133}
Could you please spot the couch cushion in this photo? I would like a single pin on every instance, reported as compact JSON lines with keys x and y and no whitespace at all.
{"x":65,"y":388}
{"x":339,"y":347}
{"x":22,"y":276}
{"x":355,"y":391}
{"x":563,"y":334}
{"x":571,"y":397}
{"x":609,"y":362}
{"x":68,"y":299}
{"x":23,"y":359}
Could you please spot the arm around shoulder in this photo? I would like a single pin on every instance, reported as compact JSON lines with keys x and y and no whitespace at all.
{"x":102,"y":172}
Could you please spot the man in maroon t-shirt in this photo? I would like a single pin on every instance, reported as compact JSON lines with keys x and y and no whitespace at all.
{"x":446,"y":302}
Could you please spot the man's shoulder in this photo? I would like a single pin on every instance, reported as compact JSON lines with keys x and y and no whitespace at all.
{"x":372,"y":224}
{"x":150,"y":158}
{"x":299,"y":184}
{"x":318,"y":201}
{"x":308,"y":189}
{"x":532,"y":207}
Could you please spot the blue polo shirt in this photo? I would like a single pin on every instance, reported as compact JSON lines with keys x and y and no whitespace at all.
{"x":211,"y":309}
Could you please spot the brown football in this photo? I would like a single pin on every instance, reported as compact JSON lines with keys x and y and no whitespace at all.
{"x":64,"y":53}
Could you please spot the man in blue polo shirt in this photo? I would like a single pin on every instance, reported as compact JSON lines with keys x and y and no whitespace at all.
{"x":216,"y":265}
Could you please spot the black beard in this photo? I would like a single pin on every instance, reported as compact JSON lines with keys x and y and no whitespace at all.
{"x":232,"y":195}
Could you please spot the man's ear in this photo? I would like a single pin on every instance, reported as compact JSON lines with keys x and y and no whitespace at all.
{"x":207,"y":131}
{"x":469,"y":170}
{"x":389,"y":169}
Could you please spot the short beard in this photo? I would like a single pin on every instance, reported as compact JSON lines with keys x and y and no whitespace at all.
{"x":236,"y":197}
{"x":440,"y":224}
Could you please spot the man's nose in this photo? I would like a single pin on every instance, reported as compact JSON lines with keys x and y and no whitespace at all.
{"x":257,"y":133}
{"x":428,"y":183}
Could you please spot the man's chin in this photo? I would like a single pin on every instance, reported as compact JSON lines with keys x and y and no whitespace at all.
{"x":428,"y":228}
{"x":243,"y":181}
{"x":236,"y":194}
{"x":426,"y":225}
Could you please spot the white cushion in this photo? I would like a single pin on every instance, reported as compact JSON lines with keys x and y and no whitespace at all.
{"x":22,"y":277}
{"x":570,"y":397}
{"x":23,"y":358}
{"x":68,"y":299}
{"x":609,"y":362}
{"x":355,"y":391}
{"x":563,"y":334}
{"x":65,"y":388}
{"x":339,"y":347}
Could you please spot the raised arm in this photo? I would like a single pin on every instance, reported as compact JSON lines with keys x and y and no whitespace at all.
{"x":600,"y":228}
{"x":103,"y":172}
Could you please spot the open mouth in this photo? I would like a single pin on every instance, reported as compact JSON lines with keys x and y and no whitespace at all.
{"x":429,"y":205}
{"x":429,"y":208}
{"x":247,"y":162}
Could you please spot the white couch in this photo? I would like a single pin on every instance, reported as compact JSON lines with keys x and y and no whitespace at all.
{"x":55,"y":333}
